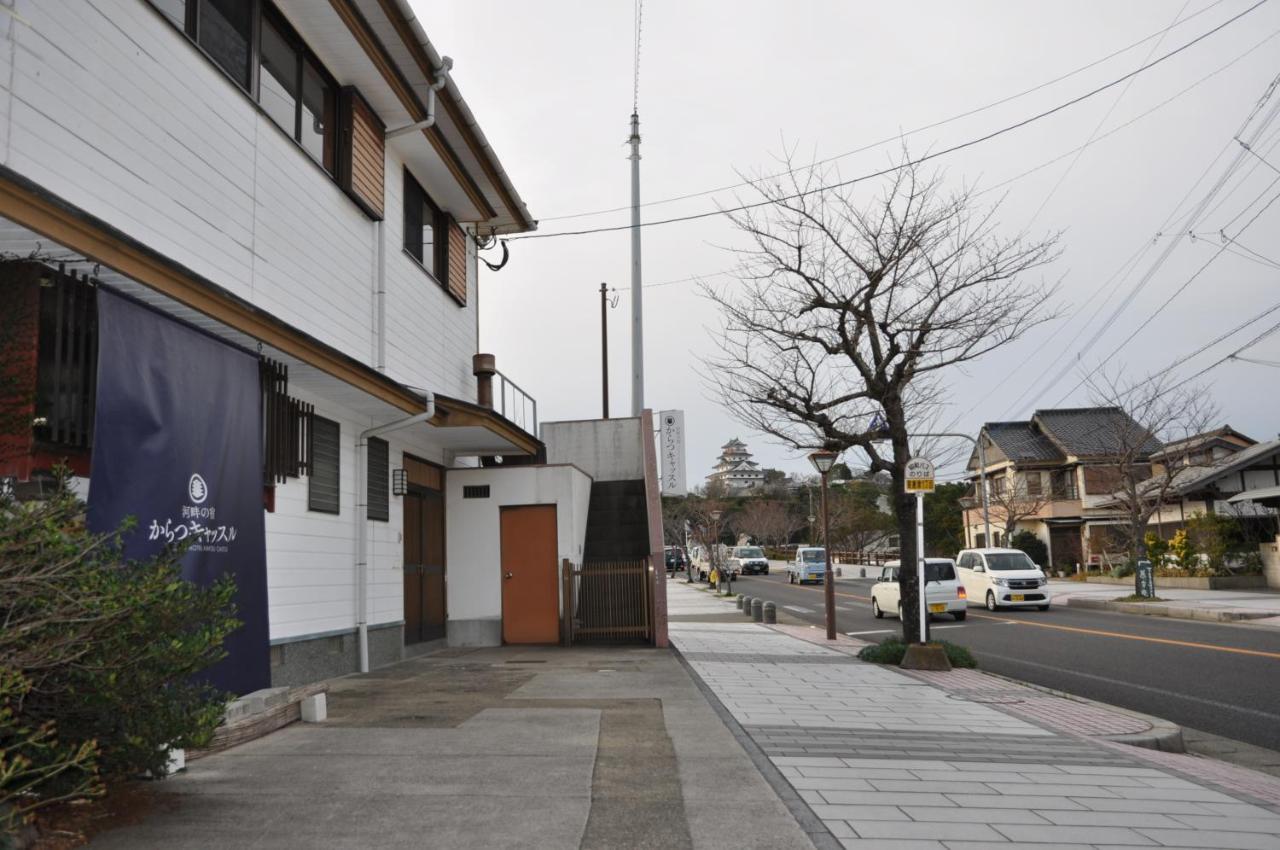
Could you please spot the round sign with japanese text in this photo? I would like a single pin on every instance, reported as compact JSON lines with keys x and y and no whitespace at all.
{"x":919,"y":476}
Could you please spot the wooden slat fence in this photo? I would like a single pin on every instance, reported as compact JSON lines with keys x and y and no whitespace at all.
{"x":607,"y":602}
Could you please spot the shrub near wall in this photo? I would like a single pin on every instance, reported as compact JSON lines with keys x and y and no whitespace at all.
{"x":98,"y":658}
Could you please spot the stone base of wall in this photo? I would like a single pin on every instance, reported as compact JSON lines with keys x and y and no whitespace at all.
{"x":1192,"y":582}
{"x":299,"y":662}
{"x":483,"y":632}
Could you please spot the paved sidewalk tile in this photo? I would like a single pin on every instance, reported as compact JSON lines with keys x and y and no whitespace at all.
{"x":962,"y":760}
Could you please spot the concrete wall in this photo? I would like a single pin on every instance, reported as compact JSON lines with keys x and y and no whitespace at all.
{"x":606,"y":449}
{"x":1271,"y":562}
{"x":473,"y":540}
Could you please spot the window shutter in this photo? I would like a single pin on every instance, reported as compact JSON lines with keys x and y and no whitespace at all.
{"x":362,"y":157}
{"x":323,"y":494}
{"x":378,"y":497}
{"x":456,"y":262}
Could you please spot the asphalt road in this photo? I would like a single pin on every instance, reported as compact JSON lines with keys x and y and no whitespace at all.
{"x":1223,"y":679}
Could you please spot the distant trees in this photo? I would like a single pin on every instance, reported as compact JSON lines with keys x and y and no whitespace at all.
{"x":944,"y":520}
{"x":770,"y":522}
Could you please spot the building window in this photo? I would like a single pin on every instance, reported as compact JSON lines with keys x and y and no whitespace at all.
{"x":292,"y":88}
{"x":424,"y":228}
{"x":323,"y":493}
{"x":1034,"y":487}
{"x":224,"y":28}
{"x":379,"y":465}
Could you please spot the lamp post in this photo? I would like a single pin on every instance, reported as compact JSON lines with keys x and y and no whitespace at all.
{"x":823,"y":461}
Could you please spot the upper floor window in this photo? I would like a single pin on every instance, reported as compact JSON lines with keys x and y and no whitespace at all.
{"x":256,"y":47}
{"x":424,"y":228}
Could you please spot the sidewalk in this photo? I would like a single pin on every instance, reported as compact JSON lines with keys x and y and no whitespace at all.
{"x":870,"y":756}
{"x":1257,"y":607}
{"x":517,"y":747}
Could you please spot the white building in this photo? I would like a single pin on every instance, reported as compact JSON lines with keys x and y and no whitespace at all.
{"x":305,"y":180}
{"x":735,"y":470}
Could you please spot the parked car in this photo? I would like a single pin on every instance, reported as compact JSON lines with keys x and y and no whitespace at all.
{"x":675,"y":558}
{"x":810,"y":564}
{"x":943,"y":592}
{"x":1003,"y":577}
{"x":748,"y":560}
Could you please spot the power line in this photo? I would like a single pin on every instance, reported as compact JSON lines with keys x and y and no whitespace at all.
{"x":1059,"y":158}
{"x":1103,"y":120}
{"x":901,"y":135}
{"x":1232,"y":356}
{"x":1191,"y":220}
{"x":919,"y":160}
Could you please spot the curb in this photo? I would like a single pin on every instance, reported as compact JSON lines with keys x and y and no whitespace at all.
{"x":1157,"y":609}
{"x":1164,"y":735}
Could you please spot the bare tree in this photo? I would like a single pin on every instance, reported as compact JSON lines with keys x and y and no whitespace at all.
{"x":770,"y":522}
{"x":847,"y":313}
{"x":1160,"y":417}
{"x":1011,"y":499}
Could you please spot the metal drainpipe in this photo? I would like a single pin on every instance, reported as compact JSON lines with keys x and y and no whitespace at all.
{"x":362,"y":522}
{"x":380,"y":295}
{"x":442,"y":79}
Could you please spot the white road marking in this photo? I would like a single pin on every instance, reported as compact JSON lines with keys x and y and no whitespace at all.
{"x":798,"y":609}
{"x":872,"y":632}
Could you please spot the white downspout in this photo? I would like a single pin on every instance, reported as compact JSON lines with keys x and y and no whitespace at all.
{"x":380,"y":296}
{"x":442,"y":79}
{"x":362,"y":522}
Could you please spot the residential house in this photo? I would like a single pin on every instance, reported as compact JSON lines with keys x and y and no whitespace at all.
{"x":1053,"y":475}
{"x":301,"y":184}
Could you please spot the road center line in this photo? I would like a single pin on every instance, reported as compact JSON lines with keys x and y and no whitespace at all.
{"x":1100,"y":632}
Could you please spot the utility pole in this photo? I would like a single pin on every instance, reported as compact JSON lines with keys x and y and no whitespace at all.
{"x":604,"y":347}
{"x":637,"y":297}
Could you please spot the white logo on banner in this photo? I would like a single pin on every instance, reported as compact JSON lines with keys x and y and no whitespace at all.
{"x":197,"y":489}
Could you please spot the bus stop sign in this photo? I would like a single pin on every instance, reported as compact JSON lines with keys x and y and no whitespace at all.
{"x":919,"y":476}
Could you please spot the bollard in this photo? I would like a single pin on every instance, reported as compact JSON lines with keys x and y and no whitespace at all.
{"x":864,"y":572}
{"x":746,"y":605}
{"x":770,"y":613}
{"x":739,"y":603}
{"x":838,"y":573}
{"x":757,"y":610}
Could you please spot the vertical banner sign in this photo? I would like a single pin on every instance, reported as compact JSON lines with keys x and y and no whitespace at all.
{"x":178,"y":445}
{"x":672,"y":430}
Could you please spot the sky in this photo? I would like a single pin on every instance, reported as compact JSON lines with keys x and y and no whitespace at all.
{"x":725,"y":88}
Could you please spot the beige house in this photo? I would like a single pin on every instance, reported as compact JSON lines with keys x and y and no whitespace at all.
{"x":1052,"y":475}
{"x":1055,"y":476}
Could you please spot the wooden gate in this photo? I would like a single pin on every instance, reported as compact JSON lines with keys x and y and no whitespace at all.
{"x":608,"y":602}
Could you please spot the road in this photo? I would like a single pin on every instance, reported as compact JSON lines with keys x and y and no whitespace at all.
{"x":1223,"y":679}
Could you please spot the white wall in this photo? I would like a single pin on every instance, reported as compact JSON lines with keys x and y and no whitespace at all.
{"x":106,"y":105}
{"x":472,"y":528}
{"x":606,"y":449}
{"x":311,"y":582}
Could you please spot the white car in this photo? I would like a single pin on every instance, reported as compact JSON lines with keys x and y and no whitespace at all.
{"x":810,"y":564}
{"x":1000,"y":578}
{"x":943,"y":593}
{"x":748,"y":560}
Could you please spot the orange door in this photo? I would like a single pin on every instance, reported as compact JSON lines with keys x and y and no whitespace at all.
{"x":530,"y":593}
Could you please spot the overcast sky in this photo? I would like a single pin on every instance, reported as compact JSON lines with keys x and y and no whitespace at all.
{"x":725,"y":86}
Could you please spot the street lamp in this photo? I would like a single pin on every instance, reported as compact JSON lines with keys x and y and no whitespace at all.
{"x":822,"y":461}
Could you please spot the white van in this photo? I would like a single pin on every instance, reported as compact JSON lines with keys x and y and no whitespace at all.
{"x":809,"y":564}
{"x":943,"y":592}
{"x":1002,"y":578}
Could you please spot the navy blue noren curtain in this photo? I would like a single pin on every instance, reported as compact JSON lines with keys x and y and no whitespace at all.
{"x":178,"y":445}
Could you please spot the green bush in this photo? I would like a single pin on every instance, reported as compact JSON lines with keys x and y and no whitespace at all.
{"x":98,"y":657}
{"x":1032,"y":545}
{"x":891,"y":651}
